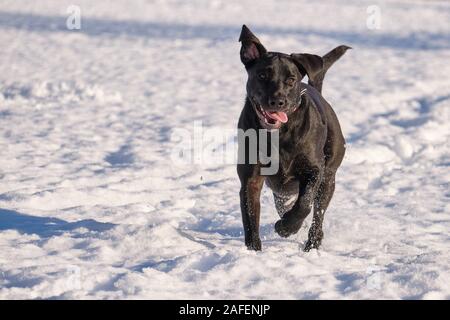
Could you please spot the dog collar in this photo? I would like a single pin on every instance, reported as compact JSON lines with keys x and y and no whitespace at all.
{"x":302,"y":93}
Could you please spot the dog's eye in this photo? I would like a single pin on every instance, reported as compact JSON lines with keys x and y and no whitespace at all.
{"x":262,"y":76}
{"x":290,"y":81}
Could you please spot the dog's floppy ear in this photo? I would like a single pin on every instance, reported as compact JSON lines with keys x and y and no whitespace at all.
{"x":309,"y":64}
{"x":251,"y":48}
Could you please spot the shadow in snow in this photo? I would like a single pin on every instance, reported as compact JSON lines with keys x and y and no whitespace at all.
{"x":121,"y":157}
{"x":147,"y":29}
{"x":425,"y":107}
{"x":45,"y":226}
{"x":348,"y":282}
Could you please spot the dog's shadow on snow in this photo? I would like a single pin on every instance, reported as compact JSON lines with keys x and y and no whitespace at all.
{"x":46,"y":227}
{"x":108,"y":27}
{"x":209,"y":226}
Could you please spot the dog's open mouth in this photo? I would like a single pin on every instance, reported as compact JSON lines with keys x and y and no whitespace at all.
{"x":270,"y":119}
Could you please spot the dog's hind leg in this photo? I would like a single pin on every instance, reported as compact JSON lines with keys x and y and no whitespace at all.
{"x":321,"y":202}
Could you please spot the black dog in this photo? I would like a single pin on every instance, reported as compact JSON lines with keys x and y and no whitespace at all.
{"x":311,"y":145}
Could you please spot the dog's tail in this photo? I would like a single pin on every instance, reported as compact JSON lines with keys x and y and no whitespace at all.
{"x":328,"y":60}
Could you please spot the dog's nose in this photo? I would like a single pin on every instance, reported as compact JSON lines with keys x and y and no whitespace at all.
{"x":277,"y":102}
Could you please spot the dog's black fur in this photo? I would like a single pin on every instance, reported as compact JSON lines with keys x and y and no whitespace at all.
{"x":311,"y":144}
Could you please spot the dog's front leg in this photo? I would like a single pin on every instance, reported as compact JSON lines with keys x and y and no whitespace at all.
{"x":251,"y":185}
{"x":292,"y":220}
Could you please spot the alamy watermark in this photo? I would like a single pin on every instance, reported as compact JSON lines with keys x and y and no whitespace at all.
{"x":374,"y":277}
{"x":73,"y":21}
{"x":373,"y":21}
{"x":73,"y":279}
{"x":213,"y":146}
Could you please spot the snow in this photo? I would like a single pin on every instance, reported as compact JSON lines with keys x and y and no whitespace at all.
{"x":94,"y":207}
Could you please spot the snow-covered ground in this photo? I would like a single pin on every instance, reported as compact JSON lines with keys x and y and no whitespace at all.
{"x":92,"y":204}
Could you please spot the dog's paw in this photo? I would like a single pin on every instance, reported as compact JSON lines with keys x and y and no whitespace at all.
{"x":312,"y":244}
{"x":282,"y":230}
{"x":254,"y":245}
{"x":315,"y":237}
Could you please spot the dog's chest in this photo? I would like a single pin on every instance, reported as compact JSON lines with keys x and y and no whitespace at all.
{"x":289,"y":159}
{"x":284,"y":179}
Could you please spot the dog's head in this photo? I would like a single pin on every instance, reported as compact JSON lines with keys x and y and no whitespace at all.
{"x":274,"y":78}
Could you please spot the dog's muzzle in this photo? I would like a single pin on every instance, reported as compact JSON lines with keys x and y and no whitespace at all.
{"x":273,"y":119}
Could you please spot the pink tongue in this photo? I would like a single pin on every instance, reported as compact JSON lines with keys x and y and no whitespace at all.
{"x":280,"y":116}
